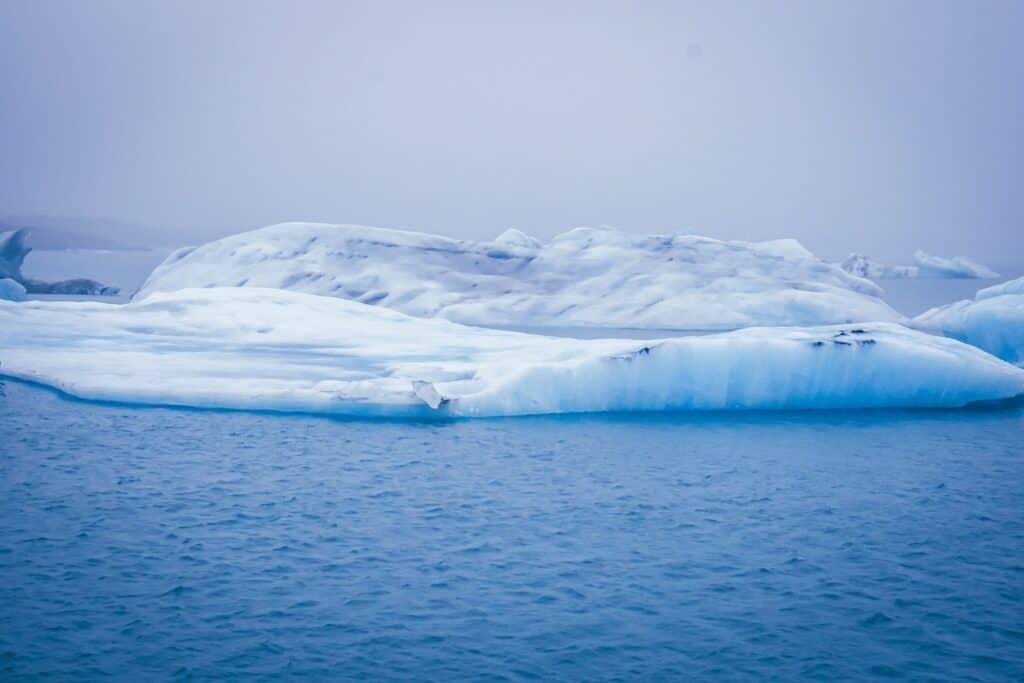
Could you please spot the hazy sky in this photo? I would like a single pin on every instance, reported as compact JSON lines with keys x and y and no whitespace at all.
{"x":869,"y":126}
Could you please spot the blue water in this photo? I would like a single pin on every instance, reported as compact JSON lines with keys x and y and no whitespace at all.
{"x":149,"y":544}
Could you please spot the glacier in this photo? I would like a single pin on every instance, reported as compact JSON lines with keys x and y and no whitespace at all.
{"x":993,"y":321}
{"x":925,"y":266}
{"x":585,"y":278}
{"x":278,"y":350}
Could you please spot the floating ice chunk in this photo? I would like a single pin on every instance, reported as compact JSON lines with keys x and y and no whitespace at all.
{"x":252,"y":348}
{"x":862,"y":266}
{"x":956,"y":267}
{"x":994,"y":321}
{"x":11,"y":290}
{"x":926,"y":267}
{"x":586,"y":277}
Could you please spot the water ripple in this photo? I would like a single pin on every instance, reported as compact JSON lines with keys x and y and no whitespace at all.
{"x":154,"y":544}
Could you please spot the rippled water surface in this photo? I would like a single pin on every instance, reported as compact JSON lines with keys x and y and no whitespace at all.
{"x":152,"y":543}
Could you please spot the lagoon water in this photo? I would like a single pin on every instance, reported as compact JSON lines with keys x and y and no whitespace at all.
{"x":146,"y":544}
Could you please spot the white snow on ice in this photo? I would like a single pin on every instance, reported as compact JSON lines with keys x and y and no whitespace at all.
{"x":252,"y":348}
{"x":584,"y":278}
{"x":993,"y":321}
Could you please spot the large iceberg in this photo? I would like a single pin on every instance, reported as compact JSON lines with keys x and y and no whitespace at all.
{"x":584,"y":278}
{"x":252,"y":348}
{"x":926,"y":266}
{"x":993,"y":321}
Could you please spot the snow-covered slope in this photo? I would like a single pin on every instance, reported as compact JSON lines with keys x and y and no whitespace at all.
{"x":926,"y":266}
{"x":271,"y":349}
{"x":583,"y":278}
{"x":11,"y":290}
{"x":993,"y":321}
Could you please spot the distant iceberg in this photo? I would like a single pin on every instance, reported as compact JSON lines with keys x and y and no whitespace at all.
{"x":13,"y":250}
{"x":586,"y":277}
{"x":78,"y":286}
{"x":862,"y":266}
{"x":11,"y":290}
{"x":993,"y":321}
{"x":253,"y":348}
{"x":926,"y":266}
{"x":956,"y":267}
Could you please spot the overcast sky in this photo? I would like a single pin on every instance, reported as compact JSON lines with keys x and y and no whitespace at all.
{"x":871,"y":126}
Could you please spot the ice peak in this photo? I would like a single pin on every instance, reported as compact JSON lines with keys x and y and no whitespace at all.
{"x":517,"y":238}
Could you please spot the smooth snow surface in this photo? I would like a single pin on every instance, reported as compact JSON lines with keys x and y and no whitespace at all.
{"x":583,"y":278}
{"x":993,"y":321}
{"x":926,"y":266}
{"x":11,"y":290}
{"x":269,"y":349}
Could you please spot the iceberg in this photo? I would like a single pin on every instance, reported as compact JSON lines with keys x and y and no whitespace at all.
{"x":956,"y":267}
{"x":926,"y":266}
{"x":123,"y":270}
{"x":586,"y":277}
{"x":1008,"y":288}
{"x":269,"y":349}
{"x":78,"y":286}
{"x":993,"y":321}
{"x":13,"y":251}
{"x":862,"y":266}
{"x":11,"y":290}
